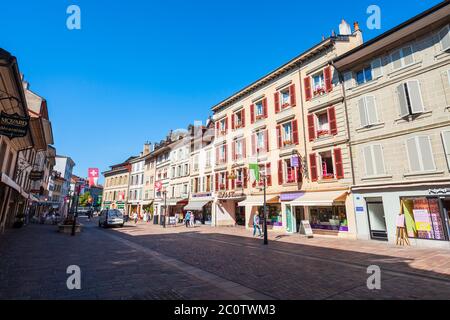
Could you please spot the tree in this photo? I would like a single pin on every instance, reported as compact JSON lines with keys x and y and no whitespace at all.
{"x":84,"y":199}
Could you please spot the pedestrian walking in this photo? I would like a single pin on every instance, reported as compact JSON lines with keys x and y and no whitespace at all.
{"x":192,"y":219}
{"x":187,"y":219}
{"x":135,"y":217}
{"x":256,"y":225}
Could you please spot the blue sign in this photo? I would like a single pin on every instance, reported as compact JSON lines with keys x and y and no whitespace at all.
{"x":359,"y":209}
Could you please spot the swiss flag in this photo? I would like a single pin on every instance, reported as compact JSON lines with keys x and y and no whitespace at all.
{"x":158,"y":186}
{"x":93,"y":174}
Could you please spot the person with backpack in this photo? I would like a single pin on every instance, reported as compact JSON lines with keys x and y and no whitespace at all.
{"x":256,"y":225}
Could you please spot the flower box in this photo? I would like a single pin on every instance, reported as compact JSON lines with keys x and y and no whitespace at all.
{"x":287,"y":143}
{"x":285,"y":105}
{"x":260,"y":117}
{"x":238,"y":126}
{"x":221,"y":186}
{"x":328,"y":176}
{"x":319,"y":91}
{"x":238,"y":184}
{"x":321,"y":133}
{"x":223,"y":132}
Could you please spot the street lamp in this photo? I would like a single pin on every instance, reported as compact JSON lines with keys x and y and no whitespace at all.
{"x":165,"y":206}
{"x":266,"y":240}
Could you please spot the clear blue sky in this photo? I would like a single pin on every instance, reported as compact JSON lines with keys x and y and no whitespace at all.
{"x":138,"y":68}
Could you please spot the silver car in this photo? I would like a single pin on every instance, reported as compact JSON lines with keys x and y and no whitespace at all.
{"x":110,"y":217}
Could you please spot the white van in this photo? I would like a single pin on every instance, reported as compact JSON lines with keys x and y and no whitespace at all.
{"x":110,"y":217}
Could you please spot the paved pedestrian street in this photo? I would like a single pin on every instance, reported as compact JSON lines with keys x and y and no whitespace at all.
{"x":145,"y":261}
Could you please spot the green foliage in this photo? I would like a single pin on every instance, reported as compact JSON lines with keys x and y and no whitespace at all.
{"x":84,"y":199}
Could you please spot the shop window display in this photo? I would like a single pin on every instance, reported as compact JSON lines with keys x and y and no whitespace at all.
{"x":329,"y":218}
{"x":423,"y":218}
{"x":273,"y":214}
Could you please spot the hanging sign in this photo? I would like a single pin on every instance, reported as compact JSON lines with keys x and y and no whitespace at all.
{"x":13,"y":125}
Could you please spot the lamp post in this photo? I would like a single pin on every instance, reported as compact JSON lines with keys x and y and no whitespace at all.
{"x":266,"y":240}
{"x":165,"y":207}
{"x":77,"y":194}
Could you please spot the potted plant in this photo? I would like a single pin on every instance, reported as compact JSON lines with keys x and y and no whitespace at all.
{"x":259,"y":117}
{"x":321,"y":133}
{"x":287,"y":143}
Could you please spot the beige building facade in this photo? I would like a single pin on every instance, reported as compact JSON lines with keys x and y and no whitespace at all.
{"x":397,"y":90}
{"x":115,"y":192}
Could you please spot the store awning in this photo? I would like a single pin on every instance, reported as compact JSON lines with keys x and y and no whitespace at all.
{"x":325,"y":198}
{"x":196,"y":205}
{"x":10,"y":183}
{"x":147,"y":203}
{"x":258,"y":200}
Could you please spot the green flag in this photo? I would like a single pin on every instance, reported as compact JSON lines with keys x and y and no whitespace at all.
{"x":254,"y":172}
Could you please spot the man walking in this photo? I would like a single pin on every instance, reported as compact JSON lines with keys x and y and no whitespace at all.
{"x":256,"y":225}
{"x":188,"y":219}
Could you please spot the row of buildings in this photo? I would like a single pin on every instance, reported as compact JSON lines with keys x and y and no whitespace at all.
{"x":34,"y":179}
{"x":349,"y":134}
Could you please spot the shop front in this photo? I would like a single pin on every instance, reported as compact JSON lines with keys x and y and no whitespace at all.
{"x":227,"y":212}
{"x":325,"y":210}
{"x":254,"y":204}
{"x":426,"y":216}
{"x":201,"y":207}
{"x":294,"y":215}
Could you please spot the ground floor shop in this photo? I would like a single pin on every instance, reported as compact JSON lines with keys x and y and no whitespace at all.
{"x":226,"y":210}
{"x":328,"y":212}
{"x":254,"y":205}
{"x":426,"y":215}
{"x":201,"y":208}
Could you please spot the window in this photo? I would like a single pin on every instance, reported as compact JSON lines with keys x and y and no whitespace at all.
{"x":238,"y":120}
{"x":196,"y":164}
{"x":364,"y":75}
{"x":239,"y":183}
{"x":186,"y":169}
{"x":323,"y":127}
{"x":208,"y":159}
{"x":223,"y":124}
{"x":287,"y":133}
{"x":410,"y":98}
{"x":402,"y":58}
{"x":222,"y":180}
{"x":420,"y":154}
{"x":326,"y":169}
{"x":367,"y":111}
{"x":348,"y":80}
{"x":285,"y":96}
{"x":444,"y":38}
{"x":318,"y":84}
{"x":239,"y":149}
{"x":374,"y":160}
{"x":446,"y":142}
{"x":261,"y":141}
{"x":221,"y":156}
{"x":290,"y":173}
{"x":259,"y":110}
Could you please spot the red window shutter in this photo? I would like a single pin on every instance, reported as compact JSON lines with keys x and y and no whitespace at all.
{"x":217,"y":155}
{"x":338,"y":163}
{"x":227,"y":181}
{"x":233,"y":182}
{"x":226,"y":125}
{"x":233,"y":150}
{"x":276,"y":98}
{"x":252,"y":113}
{"x":264,"y":105}
{"x":311,"y":127}
{"x":217,"y":128}
{"x":293,"y":95}
{"x":253,"y":144}
{"x":308,"y":94}
{"x":280,"y":142}
{"x":266,"y":140}
{"x":328,"y":80}
{"x":217,"y":182}
{"x":244,"y":148}
{"x":313,"y":167}
{"x":295,"y":131}
{"x":280,"y":172}
{"x":233,"y":116}
{"x":243,"y":117}
{"x":244,"y":176}
{"x":226,"y":153}
{"x":269,"y":174}
{"x":332,"y":121}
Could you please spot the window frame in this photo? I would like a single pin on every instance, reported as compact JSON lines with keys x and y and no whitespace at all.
{"x":402,"y":57}
{"x":420,"y":157}
{"x":372,"y":155}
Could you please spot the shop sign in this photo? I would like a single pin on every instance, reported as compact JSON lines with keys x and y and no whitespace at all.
{"x":202,"y":195}
{"x":439,"y":191}
{"x":230,"y":195}
{"x":13,"y":125}
{"x":36,"y":175}
{"x":422,"y":218}
{"x":307,"y":230}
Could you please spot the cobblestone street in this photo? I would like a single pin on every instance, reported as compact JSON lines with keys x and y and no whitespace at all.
{"x":144,"y":261}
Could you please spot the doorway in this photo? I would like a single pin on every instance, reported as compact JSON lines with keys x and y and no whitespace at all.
{"x":377,"y":220}
{"x":299,"y":216}
{"x":446,"y":210}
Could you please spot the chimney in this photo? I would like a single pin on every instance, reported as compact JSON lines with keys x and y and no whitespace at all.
{"x":356,"y":26}
{"x":146,"y":150}
{"x":358,"y":34}
{"x":344,"y":28}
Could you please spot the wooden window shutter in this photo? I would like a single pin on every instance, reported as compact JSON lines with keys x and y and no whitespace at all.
{"x":313,"y":167}
{"x":217,"y":128}
{"x":415,"y":97}
{"x":280,"y":172}
{"x":280,"y":142}
{"x":217,"y":182}
{"x":338,"y":163}
{"x":233,"y":117}
{"x":233,"y":182}
{"x":311,"y":127}
{"x":269,"y":174}
{"x":308,"y":93}
{"x":276,"y":98}
{"x":328,"y":79}
{"x":266,"y":140}
{"x":244,"y":177}
{"x":217,"y":155}
{"x":233,"y":150}
{"x":403,"y":103}
{"x":252,"y":113}
{"x":293,"y":95}
{"x":227,"y":182}
{"x":244,"y":148}
{"x":243,"y":117}
{"x":253,"y":144}
{"x":332,"y":121}
{"x":265,"y":113}
{"x":226,"y":125}
{"x":225,"y":152}
{"x":295,"y":132}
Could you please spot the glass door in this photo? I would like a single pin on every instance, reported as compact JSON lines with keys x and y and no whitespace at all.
{"x":377,"y":221}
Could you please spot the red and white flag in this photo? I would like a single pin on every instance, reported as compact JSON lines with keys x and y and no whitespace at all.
{"x":93,"y":176}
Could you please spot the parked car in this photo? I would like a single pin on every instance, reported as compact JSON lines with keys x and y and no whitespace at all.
{"x":110,"y":217}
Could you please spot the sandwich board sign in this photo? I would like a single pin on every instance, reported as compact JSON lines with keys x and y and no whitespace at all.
{"x":306,"y":229}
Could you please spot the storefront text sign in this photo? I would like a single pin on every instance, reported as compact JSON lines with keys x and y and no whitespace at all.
{"x":439,"y":191}
{"x":306,"y":226}
{"x":229,"y":195}
{"x":422,"y":218}
{"x":13,"y":125}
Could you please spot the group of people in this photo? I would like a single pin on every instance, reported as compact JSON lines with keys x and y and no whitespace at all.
{"x":189,"y":219}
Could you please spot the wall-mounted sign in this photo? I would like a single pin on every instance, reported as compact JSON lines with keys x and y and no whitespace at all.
{"x":439,"y":191}
{"x":36,"y":175}
{"x":13,"y":125}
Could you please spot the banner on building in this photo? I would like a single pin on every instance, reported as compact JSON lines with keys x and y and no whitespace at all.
{"x":93,"y":176}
